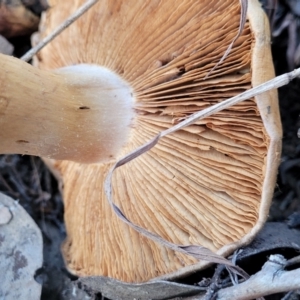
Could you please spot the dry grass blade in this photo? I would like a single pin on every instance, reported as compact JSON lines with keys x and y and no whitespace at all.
{"x":243,"y":19}
{"x":27,"y":56}
{"x":198,"y":252}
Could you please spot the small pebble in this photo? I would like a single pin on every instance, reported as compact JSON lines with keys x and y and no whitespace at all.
{"x":5,"y":215}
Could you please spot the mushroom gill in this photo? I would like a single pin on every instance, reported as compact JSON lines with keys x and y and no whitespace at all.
{"x":209,"y":184}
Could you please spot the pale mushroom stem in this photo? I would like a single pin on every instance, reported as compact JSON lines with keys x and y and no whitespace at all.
{"x":81,"y":113}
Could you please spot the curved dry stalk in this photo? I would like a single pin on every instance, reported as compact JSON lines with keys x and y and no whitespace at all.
{"x":243,"y":19}
{"x":198,"y":252}
{"x":79,"y":12}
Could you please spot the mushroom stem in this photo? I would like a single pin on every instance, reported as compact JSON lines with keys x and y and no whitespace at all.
{"x":81,"y":113}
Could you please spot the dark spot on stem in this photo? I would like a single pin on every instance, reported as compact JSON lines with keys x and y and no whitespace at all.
{"x":181,"y":71}
{"x":84,"y":107}
{"x":22,"y":141}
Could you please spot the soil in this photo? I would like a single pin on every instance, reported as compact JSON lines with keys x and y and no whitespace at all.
{"x":28,"y":180}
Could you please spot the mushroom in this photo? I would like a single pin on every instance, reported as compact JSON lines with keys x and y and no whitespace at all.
{"x":208,"y":184}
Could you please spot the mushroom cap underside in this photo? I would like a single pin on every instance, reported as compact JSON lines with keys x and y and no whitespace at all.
{"x":208,"y":184}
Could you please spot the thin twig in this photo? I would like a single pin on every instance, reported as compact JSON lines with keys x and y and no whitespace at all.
{"x":233,"y":276}
{"x":275,"y":83}
{"x":293,"y":261}
{"x":271,"y":279}
{"x":79,"y":12}
{"x":215,"y":283}
{"x":288,"y":296}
